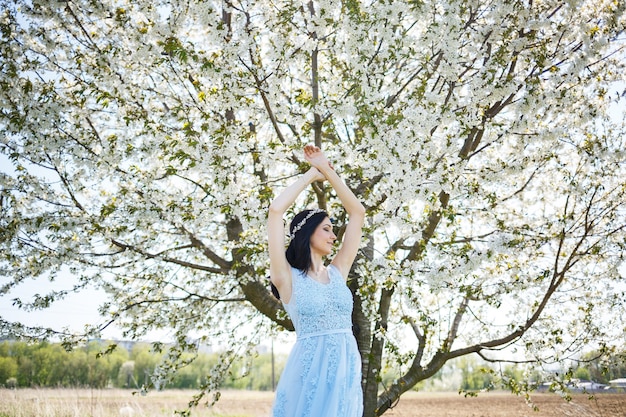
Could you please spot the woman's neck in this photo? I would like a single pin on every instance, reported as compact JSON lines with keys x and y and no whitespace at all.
{"x":317,"y":265}
{"x":318,"y":272}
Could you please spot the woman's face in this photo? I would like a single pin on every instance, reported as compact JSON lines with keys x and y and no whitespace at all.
{"x":323,"y":238}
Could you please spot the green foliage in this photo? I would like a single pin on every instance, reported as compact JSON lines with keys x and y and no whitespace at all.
{"x":49,"y":365}
{"x":601,"y":367}
{"x":8,"y":369}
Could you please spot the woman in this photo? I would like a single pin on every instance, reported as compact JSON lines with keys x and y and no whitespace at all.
{"x":322,"y":377}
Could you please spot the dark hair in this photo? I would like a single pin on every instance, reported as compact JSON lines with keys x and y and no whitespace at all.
{"x":298,"y":252}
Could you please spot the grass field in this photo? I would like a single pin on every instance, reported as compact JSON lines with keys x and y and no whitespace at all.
{"x":115,"y":403}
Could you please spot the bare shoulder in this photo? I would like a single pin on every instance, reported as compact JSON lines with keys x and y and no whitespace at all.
{"x":340,"y":270}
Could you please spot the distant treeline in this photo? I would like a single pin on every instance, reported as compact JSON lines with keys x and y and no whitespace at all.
{"x":50,"y":365}
{"x":132,"y":365}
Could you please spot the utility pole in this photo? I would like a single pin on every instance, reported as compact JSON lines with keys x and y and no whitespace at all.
{"x":273,"y":375}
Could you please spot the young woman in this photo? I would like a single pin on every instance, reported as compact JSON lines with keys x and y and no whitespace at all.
{"x":322,"y":377}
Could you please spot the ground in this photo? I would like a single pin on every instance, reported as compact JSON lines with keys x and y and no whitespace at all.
{"x":497,"y":404}
{"x":32,"y":402}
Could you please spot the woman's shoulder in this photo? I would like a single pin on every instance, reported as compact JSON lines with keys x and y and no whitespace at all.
{"x":334,"y":271}
{"x":295,"y":272}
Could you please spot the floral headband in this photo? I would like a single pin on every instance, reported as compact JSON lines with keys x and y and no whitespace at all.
{"x":302,"y":222}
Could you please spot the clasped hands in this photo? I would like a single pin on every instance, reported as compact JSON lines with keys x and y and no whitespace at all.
{"x":318,"y":160}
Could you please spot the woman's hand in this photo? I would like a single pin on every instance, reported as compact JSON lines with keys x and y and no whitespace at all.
{"x":316,"y":158}
{"x":316,"y":174}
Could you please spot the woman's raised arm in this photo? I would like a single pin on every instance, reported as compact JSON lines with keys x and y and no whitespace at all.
{"x":280,"y":270}
{"x":352,"y":237}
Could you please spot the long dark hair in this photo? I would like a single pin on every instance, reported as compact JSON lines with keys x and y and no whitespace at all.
{"x":301,"y":228}
{"x":298,"y":252}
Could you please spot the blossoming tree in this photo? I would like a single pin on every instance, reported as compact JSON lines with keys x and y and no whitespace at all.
{"x":144,"y":140}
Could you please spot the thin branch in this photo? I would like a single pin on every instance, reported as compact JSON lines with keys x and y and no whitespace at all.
{"x":167,"y":259}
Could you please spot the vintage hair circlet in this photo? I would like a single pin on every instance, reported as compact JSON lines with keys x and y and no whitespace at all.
{"x":302,"y":222}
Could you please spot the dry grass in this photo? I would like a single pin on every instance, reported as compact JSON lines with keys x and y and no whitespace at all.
{"x":122,"y":403}
{"x":95,"y":403}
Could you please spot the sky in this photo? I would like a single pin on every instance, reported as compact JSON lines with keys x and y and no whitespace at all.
{"x":78,"y":310}
{"x":75,"y":311}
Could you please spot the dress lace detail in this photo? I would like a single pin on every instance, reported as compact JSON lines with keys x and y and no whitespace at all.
{"x":325,"y":307}
{"x":322,"y":377}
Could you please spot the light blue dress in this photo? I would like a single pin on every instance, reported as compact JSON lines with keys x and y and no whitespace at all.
{"x":322,"y":377}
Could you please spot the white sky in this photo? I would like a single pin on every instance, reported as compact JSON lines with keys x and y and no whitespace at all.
{"x":74,"y":312}
{"x":78,"y":310}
